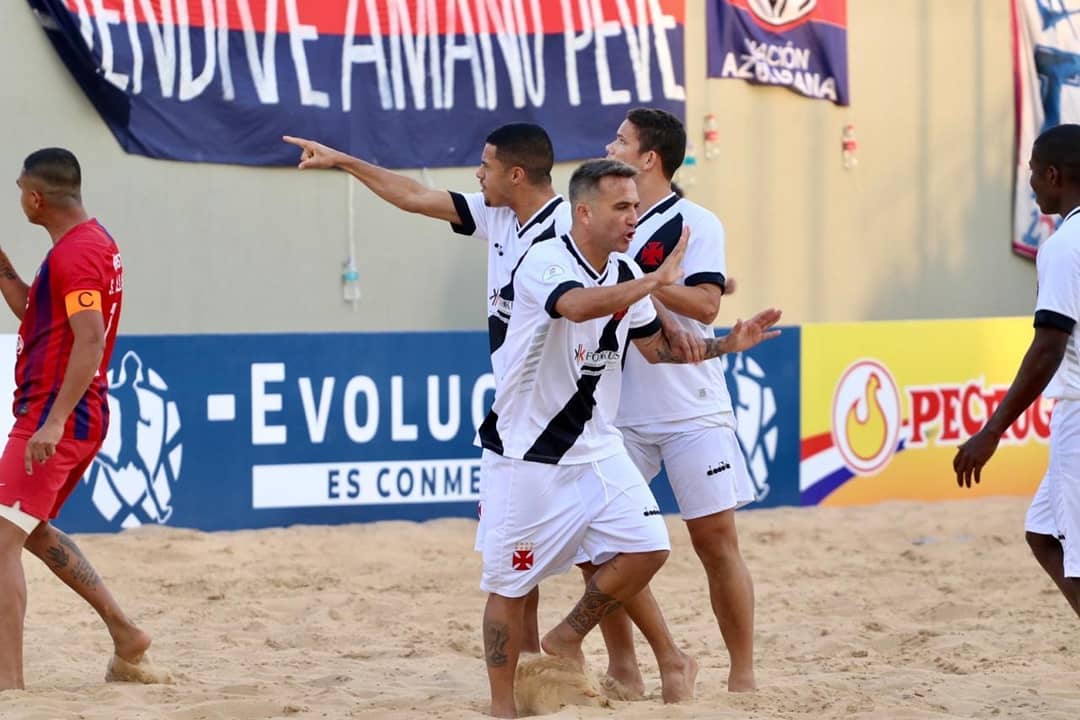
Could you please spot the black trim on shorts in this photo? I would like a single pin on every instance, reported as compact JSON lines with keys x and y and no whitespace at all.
{"x":1055,"y":320}
{"x":468,"y":224}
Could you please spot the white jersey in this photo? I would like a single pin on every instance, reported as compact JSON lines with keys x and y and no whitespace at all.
{"x":666,"y":392}
{"x":1058,"y":304}
{"x":558,"y":382}
{"x":507,"y":240}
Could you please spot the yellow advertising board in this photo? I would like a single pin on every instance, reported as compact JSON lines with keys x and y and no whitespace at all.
{"x":885,"y":405}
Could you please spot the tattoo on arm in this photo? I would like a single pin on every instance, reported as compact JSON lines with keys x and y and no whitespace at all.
{"x":7,"y":270}
{"x":60,"y":557}
{"x":714,"y":348}
{"x":593,"y":607}
{"x":496,"y":635}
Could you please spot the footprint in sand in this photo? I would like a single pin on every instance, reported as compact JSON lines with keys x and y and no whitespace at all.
{"x":544,"y":684}
{"x":143,"y":671}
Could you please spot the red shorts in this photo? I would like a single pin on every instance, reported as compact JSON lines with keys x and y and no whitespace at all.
{"x":42,"y":494}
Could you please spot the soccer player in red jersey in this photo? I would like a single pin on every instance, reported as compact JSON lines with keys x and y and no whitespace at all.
{"x":69,"y":317}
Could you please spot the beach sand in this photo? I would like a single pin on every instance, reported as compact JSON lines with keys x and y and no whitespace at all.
{"x":899,"y":610}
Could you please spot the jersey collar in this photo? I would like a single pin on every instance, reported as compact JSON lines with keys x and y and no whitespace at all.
{"x":662,"y":206}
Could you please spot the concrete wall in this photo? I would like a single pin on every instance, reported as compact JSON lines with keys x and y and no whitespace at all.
{"x":919,"y":229}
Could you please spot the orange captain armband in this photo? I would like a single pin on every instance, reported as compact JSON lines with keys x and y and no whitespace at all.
{"x":78,"y":300}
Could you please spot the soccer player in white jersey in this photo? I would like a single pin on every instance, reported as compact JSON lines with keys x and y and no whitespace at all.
{"x":1051,"y":367}
{"x":682,"y":415}
{"x":516,"y":206}
{"x":563,"y":482}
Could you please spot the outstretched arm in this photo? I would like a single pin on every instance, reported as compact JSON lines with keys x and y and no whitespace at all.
{"x":743,"y":336}
{"x":399,"y":190}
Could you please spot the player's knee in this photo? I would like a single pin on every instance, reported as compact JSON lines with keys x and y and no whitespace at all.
{"x":716,"y":544}
{"x":653,"y":561}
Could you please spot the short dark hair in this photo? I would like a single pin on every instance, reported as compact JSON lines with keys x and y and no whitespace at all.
{"x":57,"y":169}
{"x":586,"y":179}
{"x":663,"y":133}
{"x":526,"y":146}
{"x":1060,"y":146}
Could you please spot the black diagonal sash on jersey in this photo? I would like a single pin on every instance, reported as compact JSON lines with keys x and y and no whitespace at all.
{"x":660,"y":244}
{"x":499,"y":320}
{"x":489,"y":433}
{"x":566,"y":427}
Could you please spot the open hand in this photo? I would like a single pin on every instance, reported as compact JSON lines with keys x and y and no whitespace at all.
{"x":745,"y":335}
{"x":972,"y":455}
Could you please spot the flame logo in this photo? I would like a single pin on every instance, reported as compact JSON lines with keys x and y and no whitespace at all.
{"x":866,"y":417}
{"x":866,"y":435}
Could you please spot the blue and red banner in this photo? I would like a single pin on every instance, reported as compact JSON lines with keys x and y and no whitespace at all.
{"x":403,"y":83}
{"x":798,"y":44}
{"x":1046,"y":75}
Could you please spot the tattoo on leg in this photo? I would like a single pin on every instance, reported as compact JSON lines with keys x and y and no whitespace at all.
{"x":60,"y":556}
{"x":496,"y":635}
{"x":593,"y":607}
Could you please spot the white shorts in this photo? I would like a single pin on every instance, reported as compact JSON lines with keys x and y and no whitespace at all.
{"x":704,"y":462}
{"x":1055,"y":509}
{"x":538,"y":517}
{"x":488,"y":468}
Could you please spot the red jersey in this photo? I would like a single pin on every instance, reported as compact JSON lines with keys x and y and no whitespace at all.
{"x":82,"y":273}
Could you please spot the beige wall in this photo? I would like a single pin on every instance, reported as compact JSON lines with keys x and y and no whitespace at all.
{"x":919,"y":229}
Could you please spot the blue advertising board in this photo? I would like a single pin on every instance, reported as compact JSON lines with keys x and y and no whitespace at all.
{"x":244,"y":431}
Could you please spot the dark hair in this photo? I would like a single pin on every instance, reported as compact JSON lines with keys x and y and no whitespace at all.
{"x":57,"y":169}
{"x":663,"y":133}
{"x":1060,"y":146}
{"x":586,"y":179}
{"x":526,"y":146}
